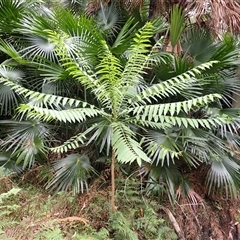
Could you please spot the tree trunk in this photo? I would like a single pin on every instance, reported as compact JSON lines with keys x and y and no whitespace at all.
{"x":156,"y":7}
{"x":113,"y":207}
{"x":152,"y":6}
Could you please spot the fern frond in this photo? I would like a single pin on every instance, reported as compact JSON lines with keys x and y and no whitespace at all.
{"x":156,"y":111}
{"x":82,"y":138}
{"x":138,"y":56}
{"x":109,"y":72}
{"x":127,"y":149}
{"x":188,"y":122}
{"x":65,"y":115}
{"x":149,"y":124}
{"x":43,"y":99}
{"x":172,"y":86}
{"x":72,"y":143}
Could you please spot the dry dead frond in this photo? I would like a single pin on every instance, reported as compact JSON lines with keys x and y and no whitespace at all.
{"x":94,"y":5}
{"x":6,"y":184}
{"x":130,"y":5}
{"x":73,"y":218}
{"x":219,"y":15}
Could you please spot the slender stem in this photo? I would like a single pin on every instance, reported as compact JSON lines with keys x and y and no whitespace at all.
{"x":113,"y":207}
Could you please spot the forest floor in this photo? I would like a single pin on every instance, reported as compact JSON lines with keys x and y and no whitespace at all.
{"x":30,"y":213}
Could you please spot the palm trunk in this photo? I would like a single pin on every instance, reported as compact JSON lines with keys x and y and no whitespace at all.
{"x":113,"y":207}
{"x":155,"y":7}
{"x":152,"y":6}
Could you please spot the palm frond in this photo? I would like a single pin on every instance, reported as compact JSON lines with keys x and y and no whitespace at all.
{"x":196,"y":144}
{"x":8,"y":98}
{"x":227,"y":53}
{"x":160,"y":24}
{"x":109,"y":78}
{"x":161,"y":148}
{"x":164,"y":179}
{"x":82,"y":32}
{"x":52,"y":72}
{"x":177,"y":24}
{"x":185,"y":191}
{"x":101,"y":134}
{"x":108,"y":18}
{"x":39,"y":47}
{"x":76,"y":6}
{"x":223,"y":172}
{"x":29,"y":153}
{"x":172,"y":86}
{"x":124,"y":37}
{"x":71,"y":173}
{"x":11,"y":12}
{"x":137,"y":56}
{"x":199,"y":44}
{"x":127,"y":149}
{"x":8,"y":162}
{"x":155,"y":111}
{"x":27,"y":141}
{"x":12,"y":52}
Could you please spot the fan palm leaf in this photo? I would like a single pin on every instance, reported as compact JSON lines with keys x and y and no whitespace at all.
{"x":13,"y":11}
{"x":73,"y":172}
{"x":26,"y":141}
{"x":199,"y":44}
{"x":223,"y":172}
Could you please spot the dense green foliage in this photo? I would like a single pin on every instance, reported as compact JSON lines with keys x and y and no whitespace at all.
{"x":78,"y":92}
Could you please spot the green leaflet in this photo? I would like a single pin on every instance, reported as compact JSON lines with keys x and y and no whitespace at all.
{"x":127,"y":149}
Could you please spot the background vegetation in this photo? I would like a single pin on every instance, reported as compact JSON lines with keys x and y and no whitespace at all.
{"x":117,"y":97}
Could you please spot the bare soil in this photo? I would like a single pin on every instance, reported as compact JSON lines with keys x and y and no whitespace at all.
{"x":212,"y":220}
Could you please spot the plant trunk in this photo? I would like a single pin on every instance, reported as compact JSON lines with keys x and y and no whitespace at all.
{"x":113,"y":207}
{"x":155,"y":7}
